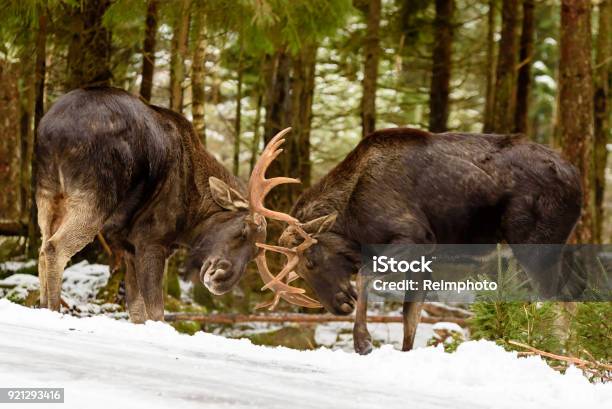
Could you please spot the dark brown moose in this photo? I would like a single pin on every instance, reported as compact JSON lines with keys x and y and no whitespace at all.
{"x":109,"y":163}
{"x":405,"y":186}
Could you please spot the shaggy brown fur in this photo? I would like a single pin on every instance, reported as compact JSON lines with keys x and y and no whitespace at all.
{"x":108,"y":162}
{"x":408,"y":186}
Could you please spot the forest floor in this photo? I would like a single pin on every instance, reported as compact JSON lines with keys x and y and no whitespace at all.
{"x":102,"y":362}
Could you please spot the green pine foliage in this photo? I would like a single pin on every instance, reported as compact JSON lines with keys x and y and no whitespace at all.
{"x":591,"y":331}
{"x":526,"y":322}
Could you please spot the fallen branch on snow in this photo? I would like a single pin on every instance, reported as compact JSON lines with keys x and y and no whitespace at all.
{"x":593,"y":367}
{"x":441,"y":310}
{"x":298,"y":318}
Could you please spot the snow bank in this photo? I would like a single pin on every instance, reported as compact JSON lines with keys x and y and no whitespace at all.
{"x":101,"y":361}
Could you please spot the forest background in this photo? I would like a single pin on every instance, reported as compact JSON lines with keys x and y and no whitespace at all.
{"x":333,"y":70}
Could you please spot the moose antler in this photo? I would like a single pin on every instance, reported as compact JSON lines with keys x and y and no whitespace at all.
{"x":259,"y":187}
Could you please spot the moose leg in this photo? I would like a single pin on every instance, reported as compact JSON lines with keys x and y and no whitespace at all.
{"x":45,"y":217}
{"x":412,"y":316}
{"x":150,"y":263}
{"x":134,"y":299}
{"x":79,"y":225}
{"x":413,"y":305}
{"x":42,"y":279}
{"x":362,"y":340}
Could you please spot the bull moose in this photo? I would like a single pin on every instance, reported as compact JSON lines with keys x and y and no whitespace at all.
{"x":406,"y":186}
{"x":107,"y":162}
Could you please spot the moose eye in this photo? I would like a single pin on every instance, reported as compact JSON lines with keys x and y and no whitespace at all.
{"x":309,"y":264}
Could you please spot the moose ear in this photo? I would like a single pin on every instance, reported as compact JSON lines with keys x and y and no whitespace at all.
{"x":321,"y":224}
{"x":225,"y":196}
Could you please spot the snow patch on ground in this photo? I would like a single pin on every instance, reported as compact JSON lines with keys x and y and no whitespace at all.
{"x":339,"y":335}
{"x":17,"y":265}
{"x":448,"y":326}
{"x":26,"y":281}
{"x":102,"y":361}
{"x":80,"y":283}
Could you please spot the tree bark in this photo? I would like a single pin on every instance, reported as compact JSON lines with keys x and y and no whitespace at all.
{"x":238,"y":119}
{"x":602,"y":101}
{"x":198,"y":77}
{"x":302,"y":93}
{"x":148,"y":50}
{"x":180,"y":36}
{"x":521,"y":119}
{"x":278,"y":111}
{"x":576,"y":103}
{"x":371,"y":49}
{"x":441,"y":67}
{"x":90,"y":46}
{"x":256,"y":132}
{"x":10,"y":146}
{"x":487,"y":123}
{"x":26,"y":112}
{"x":39,"y":110}
{"x":504,"y":102}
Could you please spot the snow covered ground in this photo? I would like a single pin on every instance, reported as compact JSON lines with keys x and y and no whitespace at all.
{"x":105,"y":363}
{"x":80,"y":282}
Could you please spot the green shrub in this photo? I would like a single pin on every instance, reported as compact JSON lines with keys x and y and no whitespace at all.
{"x":529,"y":323}
{"x":591,"y":331}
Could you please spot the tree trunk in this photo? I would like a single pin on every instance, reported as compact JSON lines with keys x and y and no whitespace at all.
{"x":39,"y":110}
{"x":602,"y":100}
{"x":25,"y":139}
{"x":90,"y":46}
{"x":371,"y":49}
{"x":441,"y":67}
{"x":27,"y":91}
{"x":576,"y":103}
{"x":521,"y":119}
{"x":148,"y":50}
{"x":302,"y":94}
{"x":238,"y":124}
{"x":198,"y":76}
{"x":504,"y":102}
{"x":180,"y":36}
{"x":9,"y":142}
{"x":487,"y":123}
{"x":256,"y":132}
{"x":238,"y":119}
{"x":278,"y":110}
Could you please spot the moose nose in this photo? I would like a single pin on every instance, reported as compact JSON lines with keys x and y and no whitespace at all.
{"x":217,"y":270}
{"x":345,"y":303}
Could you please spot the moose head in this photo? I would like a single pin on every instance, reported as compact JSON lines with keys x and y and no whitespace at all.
{"x":224,"y":255}
{"x":327,"y":265}
{"x":317,"y":255}
{"x":240,"y":230}
{"x":223,"y":252}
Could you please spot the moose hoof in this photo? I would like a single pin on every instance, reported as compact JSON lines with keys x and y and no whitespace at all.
{"x":362,"y":346}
